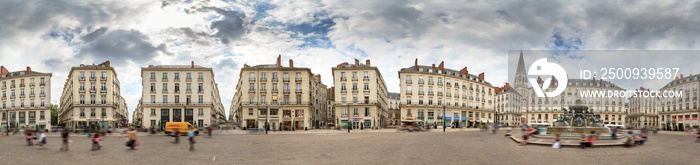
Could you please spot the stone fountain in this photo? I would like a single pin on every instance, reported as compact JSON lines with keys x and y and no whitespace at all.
{"x":578,"y":120}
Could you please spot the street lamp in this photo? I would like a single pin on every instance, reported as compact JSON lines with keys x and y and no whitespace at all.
{"x":348,"y":118}
{"x":444,"y":107}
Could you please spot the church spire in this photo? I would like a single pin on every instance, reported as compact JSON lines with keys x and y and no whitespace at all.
{"x":520,"y":73}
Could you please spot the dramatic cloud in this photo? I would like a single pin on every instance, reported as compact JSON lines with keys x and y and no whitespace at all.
{"x":319,"y":34}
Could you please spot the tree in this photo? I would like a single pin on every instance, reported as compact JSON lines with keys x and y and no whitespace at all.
{"x":54,"y":115}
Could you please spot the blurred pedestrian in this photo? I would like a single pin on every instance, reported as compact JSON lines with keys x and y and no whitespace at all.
{"x":208,"y":130}
{"x":96,"y":141}
{"x":29,"y":137}
{"x":64,"y":136}
{"x":42,"y":139}
{"x":132,"y":138}
{"x":557,"y":143}
{"x":190,"y":134}
{"x":697,"y":137}
{"x":176,"y":136}
{"x":583,"y":142}
{"x":613,"y":133}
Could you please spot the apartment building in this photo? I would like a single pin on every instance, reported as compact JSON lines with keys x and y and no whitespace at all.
{"x":509,"y":105}
{"x":361,"y":96}
{"x":394,"y":110}
{"x":26,"y":97}
{"x":643,"y":111}
{"x":180,"y":93}
{"x":433,"y":95}
{"x":283,"y":98}
{"x":679,"y":112}
{"x":91,"y":98}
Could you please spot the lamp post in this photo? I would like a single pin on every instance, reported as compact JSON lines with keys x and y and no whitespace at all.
{"x":444,"y":107}
{"x":349,"y":118}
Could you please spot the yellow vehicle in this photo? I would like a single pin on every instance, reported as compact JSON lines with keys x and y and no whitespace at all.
{"x":182,"y":127}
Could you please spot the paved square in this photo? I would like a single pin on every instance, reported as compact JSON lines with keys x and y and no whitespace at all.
{"x":339,"y":147}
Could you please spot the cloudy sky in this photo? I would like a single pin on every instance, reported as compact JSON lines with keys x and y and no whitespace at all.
{"x":52,"y":36}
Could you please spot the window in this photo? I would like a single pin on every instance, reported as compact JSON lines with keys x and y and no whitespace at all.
{"x":177,"y":99}
{"x":189,"y":87}
{"x":92,"y":112}
{"x":200,"y":76}
{"x":165,"y":87}
{"x":165,"y":99}
{"x":200,"y":112}
{"x":354,"y":75}
{"x":366,"y":87}
{"x":250,"y":111}
{"x":153,"y":112}
{"x":177,"y":76}
{"x":153,"y":87}
{"x":355,"y":112}
{"x":200,"y":123}
{"x":82,"y":112}
{"x":251,"y":76}
{"x":274,"y":76}
{"x":153,"y":99}
{"x":41,"y":115}
{"x":103,"y":99}
{"x":201,"y":99}
{"x":104,"y":112}
{"x":201,"y":88}
{"x":366,"y":75}
{"x":344,"y":113}
{"x":367,"y":111}
{"x":153,"y":75}
{"x":189,"y":76}
{"x":252,"y":87}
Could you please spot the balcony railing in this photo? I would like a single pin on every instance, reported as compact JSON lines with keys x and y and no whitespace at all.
{"x":286,"y":79}
{"x":420,"y":92}
{"x":409,"y":92}
{"x":343,"y":79}
{"x":409,"y":82}
{"x":430,"y":83}
{"x":354,"y":79}
{"x":420,"y":82}
{"x":297,"y":79}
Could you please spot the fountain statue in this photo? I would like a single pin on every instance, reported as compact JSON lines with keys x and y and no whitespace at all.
{"x":577,"y":120}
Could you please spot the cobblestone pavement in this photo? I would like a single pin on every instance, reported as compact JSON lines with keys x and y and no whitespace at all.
{"x":339,"y":147}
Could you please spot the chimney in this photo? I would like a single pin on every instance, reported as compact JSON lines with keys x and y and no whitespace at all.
{"x":415,"y":64}
{"x":442,"y":66}
{"x":539,"y":80}
{"x":506,"y":86}
{"x":29,"y":70}
{"x":481,"y":75}
{"x":3,"y":70}
{"x":357,"y":62}
{"x":676,"y":78}
{"x":433,"y":66}
{"x":681,"y":76}
{"x":107,"y":64}
{"x":291,"y":63}
{"x":367,"y":62}
{"x":553,"y":79}
{"x":279,"y":61}
{"x":192,"y":64}
{"x":150,"y":66}
{"x":464,"y":71}
{"x":342,"y":64}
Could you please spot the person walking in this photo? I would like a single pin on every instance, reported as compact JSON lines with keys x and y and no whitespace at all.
{"x":190,"y":134}
{"x":208,"y":131}
{"x":132,"y":138}
{"x":583,"y":142}
{"x":96,"y":141}
{"x":697,"y":137}
{"x":42,"y":139}
{"x":176,"y":136}
{"x":64,"y":136}
{"x":613,"y":133}
{"x":29,"y":137}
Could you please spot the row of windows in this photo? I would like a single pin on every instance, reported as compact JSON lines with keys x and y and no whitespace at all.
{"x":31,"y":114}
{"x":200,"y":76}
{"x":355,"y":112}
{"x":409,"y":81}
{"x":177,"y":99}
{"x":103,"y":99}
{"x":431,"y":114}
{"x":285,"y":86}
{"x":188,"y":87}
{"x":274,"y":112}
{"x":188,"y":112}
{"x":286,"y":99}
{"x":22,"y":105}
{"x":263,"y":76}
{"x":103,"y":87}
{"x":93,"y":112}
{"x":21,"y":92}
{"x":343,"y":87}
{"x":92,"y":75}
{"x":354,"y":75}
{"x":21,"y":82}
